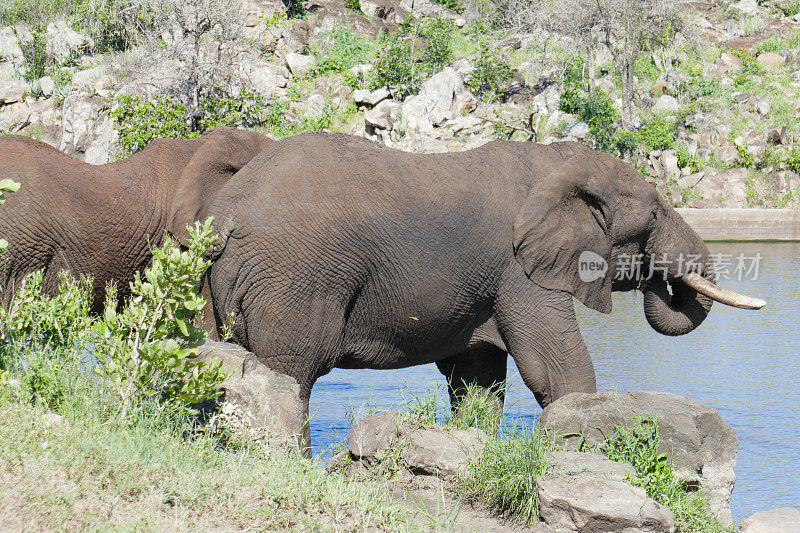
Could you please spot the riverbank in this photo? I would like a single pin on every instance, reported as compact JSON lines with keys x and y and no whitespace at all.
{"x":741,"y":224}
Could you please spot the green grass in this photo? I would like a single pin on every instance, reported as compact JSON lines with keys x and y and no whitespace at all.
{"x":35,"y":11}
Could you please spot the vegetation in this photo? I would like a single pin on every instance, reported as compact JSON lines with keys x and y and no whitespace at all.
{"x":166,"y":117}
{"x":658,"y":133}
{"x":34,"y":51}
{"x":638,"y":446}
{"x":342,"y":48}
{"x":491,"y":77}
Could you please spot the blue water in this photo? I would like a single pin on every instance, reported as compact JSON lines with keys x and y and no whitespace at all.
{"x":745,"y":364}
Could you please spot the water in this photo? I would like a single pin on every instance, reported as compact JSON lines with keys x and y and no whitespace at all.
{"x":744,"y":364}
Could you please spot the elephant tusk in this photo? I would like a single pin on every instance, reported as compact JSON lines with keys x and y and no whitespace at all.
{"x":718,"y":294}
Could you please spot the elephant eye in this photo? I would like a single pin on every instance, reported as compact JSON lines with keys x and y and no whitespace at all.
{"x":655,"y":214}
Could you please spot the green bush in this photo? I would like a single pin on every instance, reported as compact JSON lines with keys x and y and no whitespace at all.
{"x":341,"y":49}
{"x":452,"y":5}
{"x":149,"y":349}
{"x":34,"y":51}
{"x":638,"y":446}
{"x":792,"y":158}
{"x":353,"y":5}
{"x":34,"y":11}
{"x":598,"y":111}
{"x":6,"y":185}
{"x":296,"y":9}
{"x":165,"y":117}
{"x":658,"y":133}
{"x":114,"y":25}
{"x":491,"y":77}
{"x":416,"y":51}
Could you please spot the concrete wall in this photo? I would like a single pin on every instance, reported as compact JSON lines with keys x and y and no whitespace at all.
{"x":744,"y":224}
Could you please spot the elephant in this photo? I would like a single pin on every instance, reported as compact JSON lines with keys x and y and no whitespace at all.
{"x":101,"y":221}
{"x":335,"y":252}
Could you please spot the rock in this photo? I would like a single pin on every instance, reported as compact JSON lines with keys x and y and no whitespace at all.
{"x":441,"y":452}
{"x":734,"y":181}
{"x":383,"y":116}
{"x":269,"y":400}
{"x":693,"y":435}
{"x":83,"y":80}
{"x":784,"y":520}
{"x":666,"y":103}
{"x":433,"y":105}
{"x":730,"y":60}
{"x":691,"y":180}
{"x":365,"y":96}
{"x":585,"y":503}
{"x":12,"y":91}
{"x":466,"y":125}
{"x":763,"y":106}
{"x":464,"y":102}
{"x":577,"y":130}
{"x":62,"y":40}
{"x":47,"y":85}
{"x":372,"y":435}
{"x":87,"y":131}
{"x":437,"y":451}
{"x":669,"y":161}
{"x":300,"y":64}
{"x":746,"y":7}
{"x":572,"y":463}
{"x":777,"y":135}
{"x":770,"y":60}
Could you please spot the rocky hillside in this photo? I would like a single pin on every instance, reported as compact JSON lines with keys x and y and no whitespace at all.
{"x":713,"y":114}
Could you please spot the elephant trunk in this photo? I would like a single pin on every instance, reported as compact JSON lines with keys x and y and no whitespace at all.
{"x":677,"y":313}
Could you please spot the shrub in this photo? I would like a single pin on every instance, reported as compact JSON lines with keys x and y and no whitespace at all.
{"x":412,"y":54}
{"x":478,"y":408}
{"x":296,"y":9}
{"x":149,"y":349}
{"x":35,"y":52}
{"x":491,"y":77}
{"x":32,"y":11}
{"x":792,"y":158}
{"x":638,"y":446}
{"x":342,"y":48}
{"x":166,"y":117}
{"x":598,"y":111}
{"x":353,"y":5}
{"x":452,"y":5}
{"x":6,"y":185}
{"x":658,"y":133}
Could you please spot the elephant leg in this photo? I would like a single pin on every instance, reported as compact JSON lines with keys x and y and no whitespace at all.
{"x":541,"y":332}
{"x":483,"y":367}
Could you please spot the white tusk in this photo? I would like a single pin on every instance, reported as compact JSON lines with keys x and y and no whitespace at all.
{"x":718,"y":294}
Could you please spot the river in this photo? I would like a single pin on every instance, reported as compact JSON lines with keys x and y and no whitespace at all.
{"x":745,"y":364}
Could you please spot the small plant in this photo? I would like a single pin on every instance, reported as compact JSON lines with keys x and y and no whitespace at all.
{"x":295,"y":9}
{"x":478,"y":408}
{"x":793,"y":158}
{"x":491,"y":77}
{"x":452,"y":5}
{"x":139,"y":123}
{"x":658,"y":133}
{"x":396,"y":67}
{"x":6,"y":185}
{"x":597,"y":110}
{"x":505,"y":474}
{"x":149,"y":349}
{"x":686,"y":159}
{"x":423,"y":411}
{"x":34,"y":50}
{"x":353,"y":5}
{"x":746,"y":159}
{"x":750,"y":66}
{"x":639,"y":447}
{"x":342,"y":48}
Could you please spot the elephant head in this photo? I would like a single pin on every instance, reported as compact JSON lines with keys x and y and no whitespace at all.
{"x":594,"y":210}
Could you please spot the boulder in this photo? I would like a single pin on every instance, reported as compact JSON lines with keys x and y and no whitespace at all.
{"x":437,"y":451}
{"x":383,"y":116}
{"x":300,"y":64}
{"x":666,"y":104}
{"x":47,"y":85}
{"x":270,"y":401}
{"x":88,"y":133}
{"x":746,"y":7}
{"x":784,"y":520}
{"x":62,"y":41}
{"x":585,"y":503}
{"x":777,"y":135}
{"x":83,"y":80}
{"x":12,"y":91}
{"x":763,"y":106}
{"x":368,"y":97}
{"x":700,"y":444}
{"x":433,"y":105}
{"x":572,"y":463}
{"x":576,"y":131}
{"x":770,"y":60}
{"x":442,"y":452}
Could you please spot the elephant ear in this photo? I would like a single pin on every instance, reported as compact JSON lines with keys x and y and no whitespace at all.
{"x":562,"y":231}
{"x":223,"y":152}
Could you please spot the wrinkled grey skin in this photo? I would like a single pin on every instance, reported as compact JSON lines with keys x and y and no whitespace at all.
{"x":101,"y":221}
{"x":335,"y":252}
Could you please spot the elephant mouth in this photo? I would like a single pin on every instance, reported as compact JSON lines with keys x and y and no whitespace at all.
{"x":718,"y":294}
{"x":678,"y":305}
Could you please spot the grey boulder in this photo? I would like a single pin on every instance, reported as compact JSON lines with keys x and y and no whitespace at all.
{"x":784,"y":520}
{"x":270,"y":401}
{"x":701,"y":445}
